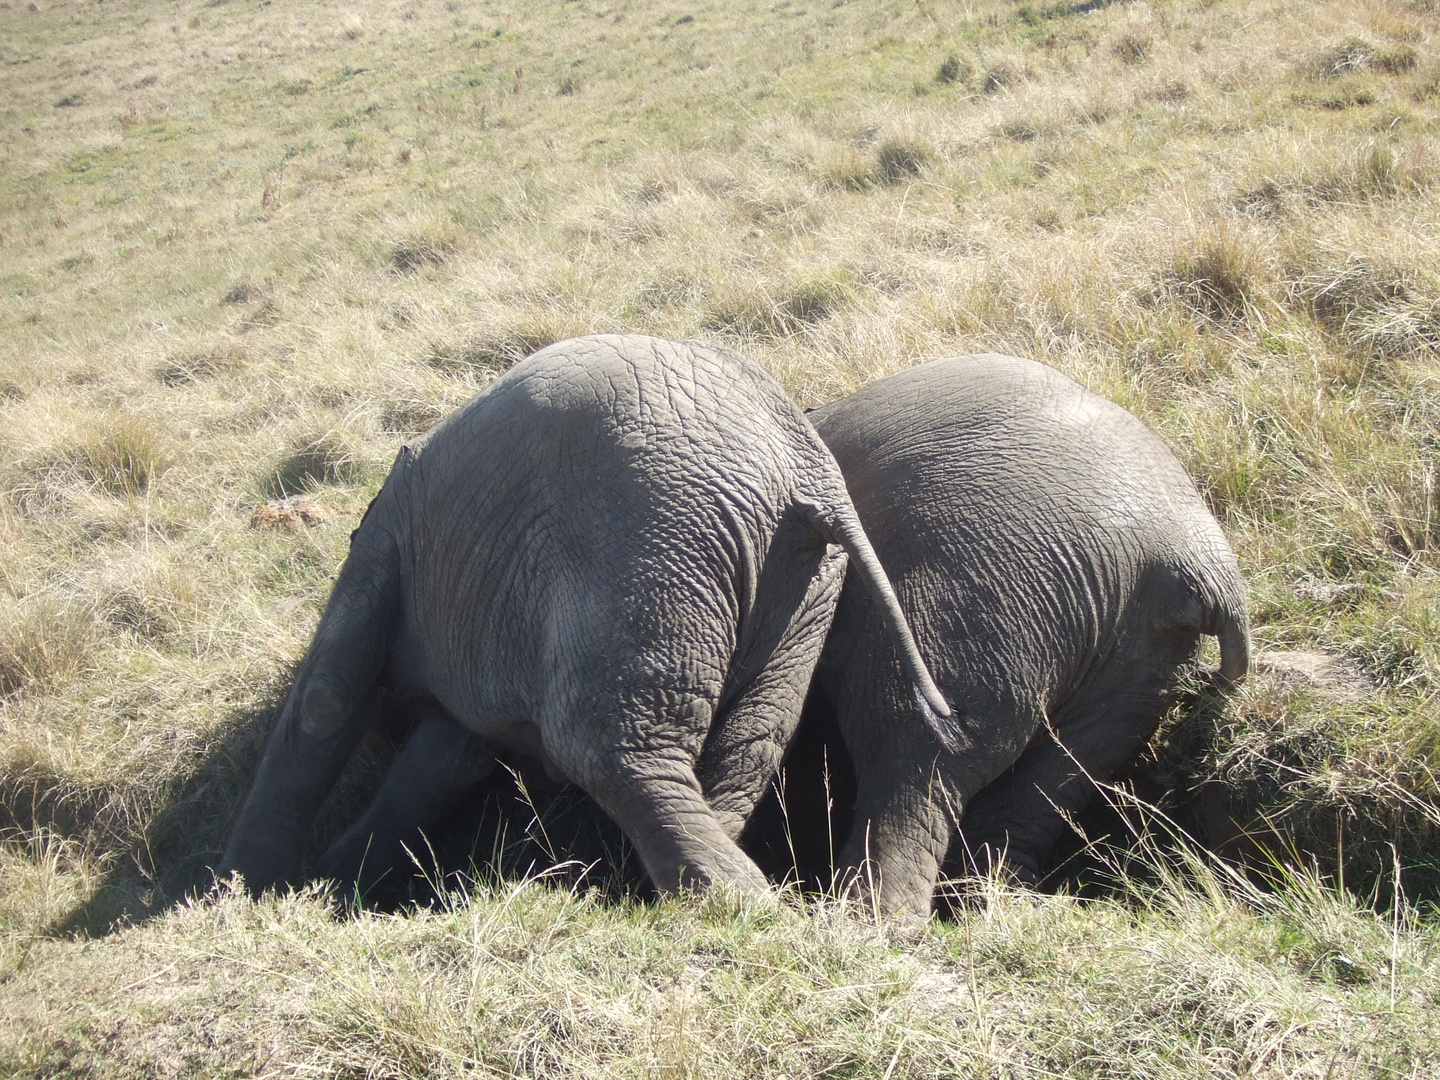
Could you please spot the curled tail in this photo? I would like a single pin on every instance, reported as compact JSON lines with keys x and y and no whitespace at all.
{"x":1225,"y":618}
{"x":844,"y":528}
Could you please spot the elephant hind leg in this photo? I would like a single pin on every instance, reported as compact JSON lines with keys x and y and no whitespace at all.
{"x":328,"y":710}
{"x":744,"y":748}
{"x":657,"y":800}
{"x":897,"y":843}
{"x":634,"y":760}
{"x":1016,"y":820}
{"x":439,"y":766}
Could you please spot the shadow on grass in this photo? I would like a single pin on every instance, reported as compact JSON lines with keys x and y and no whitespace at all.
{"x":521,"y":824}
{"x":159,"y":845}
{"x":155,"y":843}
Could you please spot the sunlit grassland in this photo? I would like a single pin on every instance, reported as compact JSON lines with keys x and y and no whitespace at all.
{"x":246,"y":248}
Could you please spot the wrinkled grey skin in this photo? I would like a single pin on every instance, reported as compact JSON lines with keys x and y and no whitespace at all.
{"x":1059,"y":570}
{"x":615,"y":559}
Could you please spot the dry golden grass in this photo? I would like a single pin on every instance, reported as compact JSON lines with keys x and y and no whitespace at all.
{"x":246,"y":250}
{"x":1205,"y":978}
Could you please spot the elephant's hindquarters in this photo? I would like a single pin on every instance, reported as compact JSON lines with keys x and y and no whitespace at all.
{"x":616,"y":569}
{"x":1025,"y":523}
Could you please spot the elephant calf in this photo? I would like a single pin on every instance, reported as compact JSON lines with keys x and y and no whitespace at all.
{"x":617,"y":558}
{"x":1059,"y":570}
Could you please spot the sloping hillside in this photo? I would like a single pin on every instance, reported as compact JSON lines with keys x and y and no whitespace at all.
{"x":247,"y":246}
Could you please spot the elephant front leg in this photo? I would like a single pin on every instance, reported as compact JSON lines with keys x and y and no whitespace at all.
{"x":439,"y":767}
{"x":1015,"y":821}
{"x":328,"y":710}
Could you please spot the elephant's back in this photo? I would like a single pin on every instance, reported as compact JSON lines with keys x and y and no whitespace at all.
{"x":991,"y":444}
{"x":687,"y":407}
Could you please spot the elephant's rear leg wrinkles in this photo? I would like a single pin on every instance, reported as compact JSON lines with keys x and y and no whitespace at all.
{"x":640,"y":774}
{"x":743,"y":751}
{"x":892,"y":857}
{"x":328,"y":710}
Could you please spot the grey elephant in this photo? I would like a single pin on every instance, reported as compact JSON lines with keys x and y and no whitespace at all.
{"x":621,"y":559}
{"x":1059,"y":570}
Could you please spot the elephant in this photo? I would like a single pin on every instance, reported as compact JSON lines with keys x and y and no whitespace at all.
{"x":621,"y":559}
{"x":1059,"y":570}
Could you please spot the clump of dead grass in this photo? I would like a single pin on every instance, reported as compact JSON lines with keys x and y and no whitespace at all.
{"x":117,"y":454}
{"x":898,"y":160}
{"x":1379,"y":309}
{"x":243,"y":292}
{"x":1368,"y":174}
{"x":1354,"y":55}
{"x":190,"y":367}
{"x":331,"y":457}
{"x":1133,"y":47}
{"x":421,"y":250}
{"x":783,"y":310}
{"x":1222,"y":274}
{"x":1001,"y":74}
{"x":42,"y":643}
{"x":953,"y":70}
{"x":494,"y":348}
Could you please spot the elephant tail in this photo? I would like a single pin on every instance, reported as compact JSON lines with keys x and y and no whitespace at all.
{"x":844,"y":528}
{"x":1225,"y":618}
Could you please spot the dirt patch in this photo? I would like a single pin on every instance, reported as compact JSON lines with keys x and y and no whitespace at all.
{"x":290,"y":514}
{"x":1330,"y":673}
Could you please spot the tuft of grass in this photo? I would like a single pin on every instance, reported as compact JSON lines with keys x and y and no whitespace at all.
{"x":243,"y":292}
{"x":410,"y":416}
{"x":192,"y":367}
{"x":118,"y":454}
{"x":1133,"y":47}
{"x":42,"y":643}
{"x":1220,"y":274}
{"x":331,"y":457}
{"x":496,"y":348}
{"x":1374,"y":172}
{"x":1000,"y":74}
{"x":424,"y":249}
{"x":123,"y":455}
{"x":1356,"y":55}
{"x":898,"y":160}
{"x":952,"y":70}
{"x":1376,"y":308}
{"x":790,"y":309}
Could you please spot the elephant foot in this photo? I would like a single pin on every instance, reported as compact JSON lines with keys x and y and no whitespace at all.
{"x":894,"y":896}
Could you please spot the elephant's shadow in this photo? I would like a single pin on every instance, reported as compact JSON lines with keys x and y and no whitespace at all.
{"x":162,"y":851}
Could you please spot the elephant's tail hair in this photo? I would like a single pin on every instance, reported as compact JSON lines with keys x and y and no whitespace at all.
{"x":844,"y":528}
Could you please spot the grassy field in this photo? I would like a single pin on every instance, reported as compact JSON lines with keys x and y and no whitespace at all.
{"x":248,"y":246}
